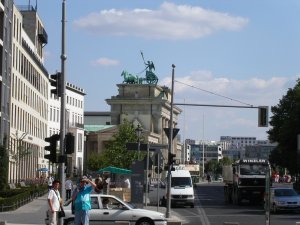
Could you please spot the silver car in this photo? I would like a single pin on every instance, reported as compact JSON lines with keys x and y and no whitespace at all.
{"x":108,"y":209}
{"x":284,"y":198}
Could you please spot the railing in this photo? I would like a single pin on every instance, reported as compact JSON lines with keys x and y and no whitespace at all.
{"x":21,"y":202}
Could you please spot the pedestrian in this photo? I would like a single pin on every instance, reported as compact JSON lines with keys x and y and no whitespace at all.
{"x":50,"y":181}
{"x":99,"y":185}
{"x":208,"y":178}
{"x":54,"y":202}
{"x":127,"y":183}
{"x":82,"y":201}
{"x":68,"y":187}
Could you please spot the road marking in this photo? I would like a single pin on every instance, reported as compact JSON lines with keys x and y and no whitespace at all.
{"x":202,"y":215}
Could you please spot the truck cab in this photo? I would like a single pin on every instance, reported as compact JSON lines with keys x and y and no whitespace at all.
{"x":245,"y":179}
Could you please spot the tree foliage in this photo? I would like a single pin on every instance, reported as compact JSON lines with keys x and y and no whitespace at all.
{"x":3,"y":167}
{"x":22,"y":150}
{"x":115,"y":153}
{"x":285,"y":123}
{"x":215,"y":166}
{"x":95,"y":162}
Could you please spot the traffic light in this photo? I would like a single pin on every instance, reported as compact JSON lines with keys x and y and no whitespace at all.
{"x":55,"y":82}
{"x":52,"y":147}
{"x":70,"y":143}
{"x":171,"y":158}
{"x":263,"y":119}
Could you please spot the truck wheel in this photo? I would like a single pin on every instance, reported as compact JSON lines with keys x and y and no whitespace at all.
{"x":239,"y":198}
{"x":234,"y":197}
{"x":226,"y":197}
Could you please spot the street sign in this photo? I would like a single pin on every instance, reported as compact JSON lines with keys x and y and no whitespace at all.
{"x":175,"y":132}
{"x":134,"y":146}
{"x":144,"y":147}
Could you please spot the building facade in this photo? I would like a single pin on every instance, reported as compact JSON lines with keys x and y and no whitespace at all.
{"x":204,"y":151}
{"x":6,"y":18}
{"x":74,"y":124}
{"x":148,"y":106}
{"x":29,"y":96}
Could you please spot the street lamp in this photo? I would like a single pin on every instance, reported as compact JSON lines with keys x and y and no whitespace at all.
{"x":139,"y":131}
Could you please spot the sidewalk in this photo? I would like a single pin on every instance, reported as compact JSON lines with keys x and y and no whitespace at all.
{"x":34,"y":213}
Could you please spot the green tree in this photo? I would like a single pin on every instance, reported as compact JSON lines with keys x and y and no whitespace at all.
{"x":285,"y":123}
{"x":95,"y":161}
{"x":18,"y":150}
{"x":213,"y":166}
{"x":115,"y":153}
{"x":225,"y":161}
{"x":3,"y":167}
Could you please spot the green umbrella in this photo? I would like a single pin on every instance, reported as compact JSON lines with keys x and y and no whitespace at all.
{"x":116,"y":170}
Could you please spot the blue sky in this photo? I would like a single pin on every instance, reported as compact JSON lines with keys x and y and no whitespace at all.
{"x":247,"y":51}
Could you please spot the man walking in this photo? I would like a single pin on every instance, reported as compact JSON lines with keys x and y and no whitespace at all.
{"x":54,"y":202}
{"x":82,"y":201}
{"x":69,"y":187}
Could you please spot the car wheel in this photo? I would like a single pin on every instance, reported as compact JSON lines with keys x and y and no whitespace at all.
{"x":192,"y":206}
{"x":69,"y":222}
{"x":144,"y":222}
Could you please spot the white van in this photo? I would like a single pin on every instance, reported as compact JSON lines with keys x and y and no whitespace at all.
{"x":182,"y":191}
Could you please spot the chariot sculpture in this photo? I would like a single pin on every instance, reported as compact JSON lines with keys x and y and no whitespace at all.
{"x":150,"y":77}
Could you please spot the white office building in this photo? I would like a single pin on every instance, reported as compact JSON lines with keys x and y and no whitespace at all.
{"x":74,"y":124}
{"x":29,"y":96}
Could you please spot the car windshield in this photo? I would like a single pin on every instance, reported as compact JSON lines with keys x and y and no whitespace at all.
{"x":253,"y":169}
{"x":285,"y":192}
{"x":181,"y":182}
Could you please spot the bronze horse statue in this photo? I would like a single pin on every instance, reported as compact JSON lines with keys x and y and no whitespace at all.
{"x":129,"y":78}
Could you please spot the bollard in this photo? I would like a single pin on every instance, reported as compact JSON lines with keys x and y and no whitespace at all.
{"x":122,"y":223}
{"x":2,"y":222}
{"x":174,"y":222}
{"x":230,"y":223}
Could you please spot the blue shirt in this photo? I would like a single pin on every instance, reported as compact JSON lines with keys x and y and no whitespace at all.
{"x":83,"y":200}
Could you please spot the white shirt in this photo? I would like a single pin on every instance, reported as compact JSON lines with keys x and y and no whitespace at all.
{"x":54,"y":196}
{"x":69,"y":185}
{"x":127,"y":183}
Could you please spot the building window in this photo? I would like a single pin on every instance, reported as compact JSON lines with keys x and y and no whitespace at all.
{"x":79,"y":142}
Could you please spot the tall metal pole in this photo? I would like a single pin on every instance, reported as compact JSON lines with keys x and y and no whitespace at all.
{"x":158,"y":180}
{"x":170,"y":149}
{"x":63,"y":58}
{"x":203,"y":147}
{"x":147,"y":171}
{"x":267,"y":197}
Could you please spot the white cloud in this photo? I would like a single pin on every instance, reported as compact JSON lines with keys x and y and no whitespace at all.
{"x":169,"y":21}
{"x":105,"y":62}
{"x":203,"y":87}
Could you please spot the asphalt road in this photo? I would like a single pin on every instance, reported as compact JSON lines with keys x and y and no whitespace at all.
{"x":211,"y":209}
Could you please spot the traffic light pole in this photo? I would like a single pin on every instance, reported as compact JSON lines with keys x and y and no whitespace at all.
{"x":170,"y":148}
{"x":62,"y":87}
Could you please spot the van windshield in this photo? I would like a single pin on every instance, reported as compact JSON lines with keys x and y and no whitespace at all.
{"x":181,"y":182}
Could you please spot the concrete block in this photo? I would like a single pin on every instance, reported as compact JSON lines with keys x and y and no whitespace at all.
{"x":174,"y":222}
{"x":230,"y":223}
{"x":2,"y":222}
{"x":122,"y":223}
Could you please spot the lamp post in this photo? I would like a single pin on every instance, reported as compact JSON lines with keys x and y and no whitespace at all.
{"x":170,"y":147}
{"x":139,"y":131}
